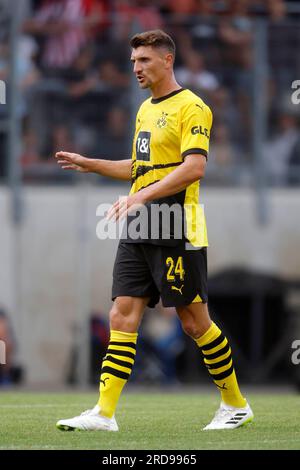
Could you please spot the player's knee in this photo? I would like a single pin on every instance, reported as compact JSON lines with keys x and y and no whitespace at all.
{"x":117,"y":319}
{"x":190,"y":328}
{"x":123,"y":321}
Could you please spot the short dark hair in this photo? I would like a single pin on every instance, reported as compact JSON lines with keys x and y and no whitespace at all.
{"x":156,"y":38}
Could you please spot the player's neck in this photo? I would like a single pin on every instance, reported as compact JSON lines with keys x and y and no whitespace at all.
{"x":164,"y":88}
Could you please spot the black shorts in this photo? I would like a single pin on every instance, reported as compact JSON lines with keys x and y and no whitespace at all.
{"x":177,"y":275}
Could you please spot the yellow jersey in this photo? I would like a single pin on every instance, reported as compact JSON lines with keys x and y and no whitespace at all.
{"x":167,"y":130}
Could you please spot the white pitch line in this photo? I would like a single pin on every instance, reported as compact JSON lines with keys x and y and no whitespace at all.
{"x":40,"y":405}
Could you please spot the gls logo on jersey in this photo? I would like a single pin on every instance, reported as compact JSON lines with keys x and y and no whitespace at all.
{"x":200,"y":130}
{"x":143,"y":146}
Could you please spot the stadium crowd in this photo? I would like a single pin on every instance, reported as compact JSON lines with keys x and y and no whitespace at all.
{"x":77,"y":91}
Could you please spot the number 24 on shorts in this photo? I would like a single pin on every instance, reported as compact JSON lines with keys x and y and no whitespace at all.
{"x":175,"y":269}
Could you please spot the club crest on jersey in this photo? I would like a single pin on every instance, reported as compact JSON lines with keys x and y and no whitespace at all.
{"x":162,"y":121}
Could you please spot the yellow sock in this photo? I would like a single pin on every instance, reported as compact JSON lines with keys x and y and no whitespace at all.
{"x":116,"y":369}
{"x":218,"y":360}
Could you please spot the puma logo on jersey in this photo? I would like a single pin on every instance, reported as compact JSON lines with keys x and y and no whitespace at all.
{"x":177,"y":288}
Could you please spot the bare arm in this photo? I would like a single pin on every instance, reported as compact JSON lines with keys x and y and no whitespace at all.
{"x":120,"y":169}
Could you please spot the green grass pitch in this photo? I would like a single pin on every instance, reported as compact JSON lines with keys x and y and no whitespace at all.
{"x":149,"y":421}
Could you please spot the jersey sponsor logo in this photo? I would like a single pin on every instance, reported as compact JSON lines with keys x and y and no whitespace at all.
{"x":200,"y":130}
{"x":143,"y":146}
{"x":162,"y":121}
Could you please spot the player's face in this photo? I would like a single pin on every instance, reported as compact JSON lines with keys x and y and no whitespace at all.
{"x":150,"y":65}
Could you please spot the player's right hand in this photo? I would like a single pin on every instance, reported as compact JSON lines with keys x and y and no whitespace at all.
{"x":72,"y":161}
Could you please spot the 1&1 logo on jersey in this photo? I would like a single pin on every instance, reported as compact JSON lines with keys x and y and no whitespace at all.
{"x":143,"y":146}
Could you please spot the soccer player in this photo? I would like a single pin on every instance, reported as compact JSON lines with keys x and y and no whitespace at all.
{"x":170,"y":150}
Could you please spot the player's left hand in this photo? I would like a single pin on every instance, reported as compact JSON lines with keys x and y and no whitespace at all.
{"x":124,"y":205}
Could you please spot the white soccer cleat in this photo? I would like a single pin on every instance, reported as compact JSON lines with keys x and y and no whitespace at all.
{"x":89,"y":420}
{"x":229,"y":417}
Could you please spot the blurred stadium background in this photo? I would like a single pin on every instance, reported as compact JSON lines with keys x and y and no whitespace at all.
{"x":68,"y":82}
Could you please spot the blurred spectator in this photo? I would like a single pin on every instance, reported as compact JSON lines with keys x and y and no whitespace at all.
{"x":130,"y":14}
{"x":193,"y":75}
{"x":224,"y":111}
{"x":40,"y":167}
{"x":5,"y":12}
{"x":64,"y":26}
{"x":282,"y":150}
{"x":199,"y":31}
{"x":97,"y":18}
{"x":61,"y":139}
{"x":276,"y":9}
{"x":283,"y":41}
{"x":27,"y":72}
{"x":6,"y":370}
{"x":111,"y":77}
{"x":79,"y":78}
{"x":273,"y":9}
{"x":113,"y":142}
{"x":4,"y":72}
{"x":222,"y":157}
{"x":181,"y":8}
{"x":236,"y":34}
{"x":60,"y":100}
{"x":30,"y":153}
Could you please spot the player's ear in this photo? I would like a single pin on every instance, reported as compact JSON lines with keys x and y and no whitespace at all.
{"x":169,"y":60}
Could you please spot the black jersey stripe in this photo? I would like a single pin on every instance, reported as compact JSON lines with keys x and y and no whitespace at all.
{"x":195,"y":150}
{"x":169,"y":95}
{"x":143,"y":169}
